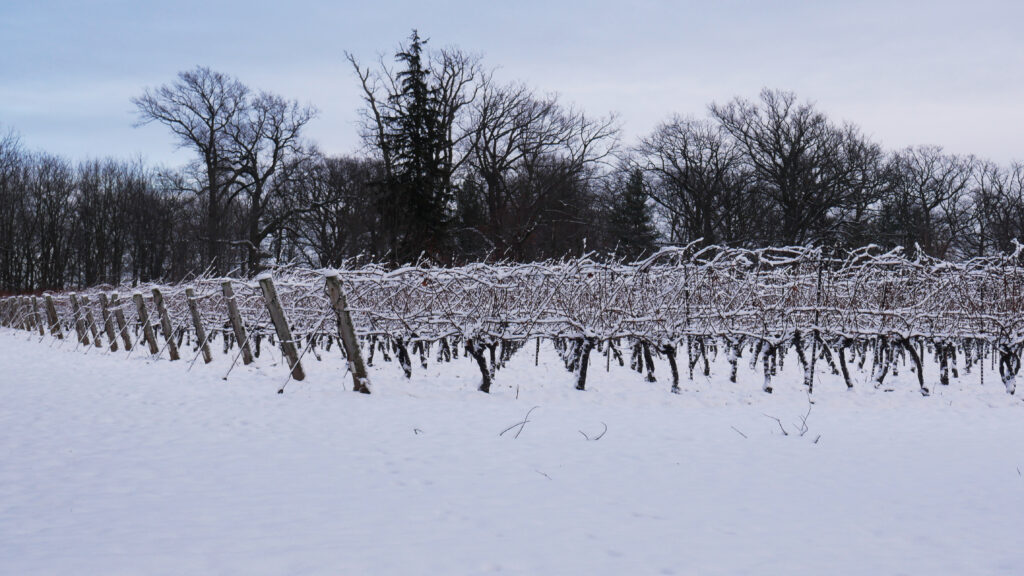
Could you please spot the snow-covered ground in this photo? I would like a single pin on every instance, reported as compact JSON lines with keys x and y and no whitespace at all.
{"x":111,"y":465}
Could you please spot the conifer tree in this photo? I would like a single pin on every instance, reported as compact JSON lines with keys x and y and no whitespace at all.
{"x":630,"y":226}
{"x":417,"y":144}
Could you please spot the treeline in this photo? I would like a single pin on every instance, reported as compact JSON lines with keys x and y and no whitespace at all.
{"x":458,"y":167}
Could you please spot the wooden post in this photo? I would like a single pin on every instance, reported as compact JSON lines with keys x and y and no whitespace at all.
{"x":9,"y":312}
{"x":79,"y":320}
{"x":51,"y":316}
{"x":284,"y":333}
{"x":122,"y":324}
{"x":90,"y":321}
{"x":147,"y":328}
{"x":26,"y":316}
{"x":13,"y":314}
{"x":197,"y":323}
{"x":36,"y":317}
{"x":108,"y":322}
{"x":165,"y":324}
{"x":236,"y":322}
{"x":347,"y":333}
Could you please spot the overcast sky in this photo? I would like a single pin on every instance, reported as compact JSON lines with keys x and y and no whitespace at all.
{"x":946,"y":73}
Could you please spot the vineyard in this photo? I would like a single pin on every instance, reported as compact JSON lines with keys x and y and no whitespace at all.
{"x":868,"y":310}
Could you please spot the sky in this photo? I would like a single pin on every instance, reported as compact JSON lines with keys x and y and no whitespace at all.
{"x":908,"y":73}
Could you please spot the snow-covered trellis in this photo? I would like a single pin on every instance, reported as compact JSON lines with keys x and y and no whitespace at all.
{"x":683,"y":304}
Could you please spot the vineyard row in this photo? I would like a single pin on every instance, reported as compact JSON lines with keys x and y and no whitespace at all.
{"x":685,"y":305}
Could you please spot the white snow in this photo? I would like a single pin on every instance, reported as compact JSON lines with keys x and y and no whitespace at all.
{"x":115,"y":465}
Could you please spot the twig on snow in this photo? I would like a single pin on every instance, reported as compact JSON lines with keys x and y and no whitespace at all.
{"x":520,"y":424}
{"x":802,"y":427}
{"x":738,"y":431}
{"x":781,"y":427}
{"x":599,"y":436}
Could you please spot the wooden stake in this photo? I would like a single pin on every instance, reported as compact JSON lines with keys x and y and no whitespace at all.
{"x":90,"y":321}
{"x":36,"y":317}
{"x":108,"y":322}
{"x":284,"y":333}
{"x":147,"y":328}
{"x":26,"y":313}
{"x":79,"y":320}
{"x":51,"y":316}
{"x":165,"y":324}
{"x":236,"y":322}
{"x":197,"y":323}
{"x":122,"y":324}
{"x":347,"y":333}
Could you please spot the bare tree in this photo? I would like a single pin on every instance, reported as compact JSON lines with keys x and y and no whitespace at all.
{"x":522,"y":151}
{"x":14,"y":218}
{"x":268,"y":152}
{"x":803,"y":163}
{"x":344,"y":223}
{"x":926,"y":200}
{"x":51,"y":189}
{"x":997,"y":195}
{"x":246,"y":142}
{"x":202,"y":109}
{"x":696,"y":177}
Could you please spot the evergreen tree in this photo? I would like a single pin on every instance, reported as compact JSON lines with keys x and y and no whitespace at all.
{"x":417,"y":143}
{"x":630,"y":227}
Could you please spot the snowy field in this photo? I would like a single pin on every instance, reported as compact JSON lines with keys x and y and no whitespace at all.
{"x":111,"y":465}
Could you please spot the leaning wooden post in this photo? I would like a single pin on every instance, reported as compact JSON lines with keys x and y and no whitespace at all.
{"x":12,"y":313}
{"x":165,"y":324}
{"x":284,"y":333}
{"x":37,"y":318}
{"x":26,"y":312}
{"x":108,"y":322}
{"x":236,"y":321}
{"x":8,"y":307}
{"x":197,"y":323}
{"x":90,"y":321}
{"x":347,"y":332}
{"x":79,"y":320}
{"x":122,"y":324}
{"x":31,"y":309}
{"x":14,"y":317}
{"x":51,"y":317}
{"x":147,"y":328}
{"x":8,"y":312}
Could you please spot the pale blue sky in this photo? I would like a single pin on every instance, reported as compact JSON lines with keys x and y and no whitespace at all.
{"x":946,"y":73}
